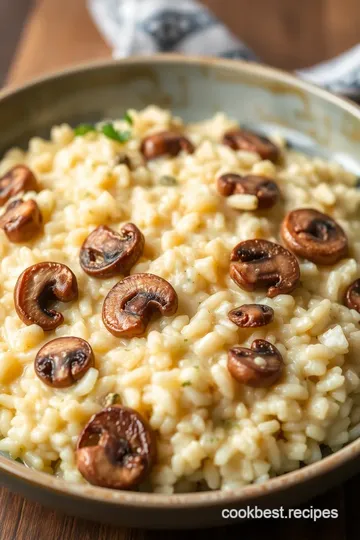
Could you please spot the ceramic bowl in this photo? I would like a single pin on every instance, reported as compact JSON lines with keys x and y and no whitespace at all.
{"x":312,"y":119}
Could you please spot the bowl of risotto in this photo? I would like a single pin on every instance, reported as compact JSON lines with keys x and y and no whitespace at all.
{"x":180,"y":290}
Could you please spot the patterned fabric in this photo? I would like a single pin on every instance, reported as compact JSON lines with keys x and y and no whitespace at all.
{"x":186,"y":26}
{"x":341,"y":74}
{"x":151,"y":26}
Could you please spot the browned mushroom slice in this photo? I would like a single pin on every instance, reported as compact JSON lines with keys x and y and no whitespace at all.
{"x":63,"y":361}
{"x":38,"y":287}
{"x":352,"y":296}
{"x":21,"y":221}
{"x":314,"y":236}
{"x":259,"y":366}
{"x":106,"y":253}
{"x":260,"y":263}
{"x":165,"y":143}
{"x":18,"y":179}
{"x":129,"y":305}
{"x":251,"y":315}
{"x":240,"y":139}
{"x":265,"y":189}
{"x":116,"y":449}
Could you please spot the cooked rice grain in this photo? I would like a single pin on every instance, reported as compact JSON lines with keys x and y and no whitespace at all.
{"x":211,"y":431}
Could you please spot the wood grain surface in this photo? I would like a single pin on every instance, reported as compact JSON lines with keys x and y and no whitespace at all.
{"x":284,"y":33}
{"x":12,"y":19}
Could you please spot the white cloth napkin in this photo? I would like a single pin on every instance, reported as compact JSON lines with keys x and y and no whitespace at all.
{"x":135,"y":27}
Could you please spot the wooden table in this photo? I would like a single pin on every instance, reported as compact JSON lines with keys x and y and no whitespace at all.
{"x":285,"y":33}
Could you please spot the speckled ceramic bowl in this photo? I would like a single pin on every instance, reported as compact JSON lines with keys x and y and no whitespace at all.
{"x":313,"y":120}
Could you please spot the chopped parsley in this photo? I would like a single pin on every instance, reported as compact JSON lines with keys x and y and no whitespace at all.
{"x":83,"y":129}
{"x":168,"y":180}
{"x":186,"y":383}
{"x":111,"y":399}
{"x":213,"y":440}
{"x":120,"y":136}
{"x":128,"y":118}
{"x":228,"y":423}
{"x":106,"y":129}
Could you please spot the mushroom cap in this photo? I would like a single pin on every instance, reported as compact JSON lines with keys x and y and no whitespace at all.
{"x":251,"y":315}
{"x":265,"y":189}
{"x":63,"y":361}
{"x":116,"y":448}
{"x":260,"y":366}
{"x":21,"y":221}
{"x":106,"y":253}
{"x":241,"y":139}
{"x":352,"y":296}
{"x":18,"y":179}
{"x":165,"y":143}
{"x":314,"y":236}
{"x":129,"y":304}
{"x":260,"y":263}
{"x":40,"y":285}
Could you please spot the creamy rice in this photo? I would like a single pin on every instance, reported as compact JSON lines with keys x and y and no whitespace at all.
{"x":212,"y":432}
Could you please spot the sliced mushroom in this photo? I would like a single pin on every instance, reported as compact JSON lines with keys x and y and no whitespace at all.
{"x":21,"y":221}
{"x":260,"y":263}
{"x":129,"y":304}
{"x":265,"y":189}
{"x":260,"y":366}
{"x":240,"y":139}
{"x":314,"y":236}
{"x":18,"y":179}
{"x":165,"y":143}
{"x":107,"y":253}
{"x":251,"y":315}
{"x":63,"y":361}
{"x":38,"y":287}
{"x":116,"y":448}
{"x":352,"y":296}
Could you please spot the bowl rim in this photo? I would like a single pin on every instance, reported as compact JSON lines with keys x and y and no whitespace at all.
{"x":111,"y":497}
{"x":204,"y":61}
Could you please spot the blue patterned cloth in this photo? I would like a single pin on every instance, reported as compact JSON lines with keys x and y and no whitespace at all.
{"x":134,"y":27}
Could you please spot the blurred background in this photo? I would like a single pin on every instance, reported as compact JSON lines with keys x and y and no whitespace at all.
{"x":37,"y":36}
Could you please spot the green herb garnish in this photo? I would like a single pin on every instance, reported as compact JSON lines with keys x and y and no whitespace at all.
{"x":120,"y":136}
{"x":213,"y":440}
{"x":107,"y":129}
{"x":111,"y":399}
{"x":128,"y":118}
{"x":83,"y":129}
{"x":228,"y":424}
{"x":167,"y":180}
{"x":186,"y":383}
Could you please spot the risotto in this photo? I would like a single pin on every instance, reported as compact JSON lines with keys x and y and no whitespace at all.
{"x":239,"y":357}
